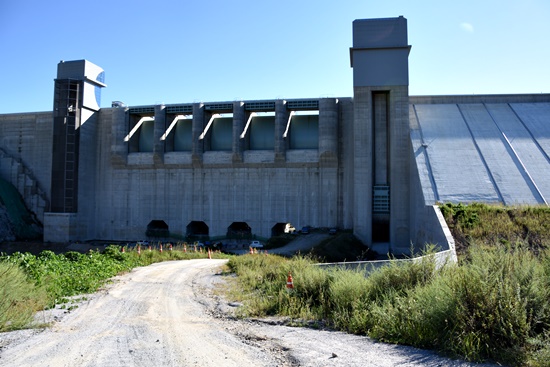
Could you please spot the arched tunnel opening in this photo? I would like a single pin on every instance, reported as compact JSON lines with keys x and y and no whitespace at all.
{"x":157,"y":228}
{"x":196,"y":229}
{"x":239,"y":230}
{"x":278,"y":229}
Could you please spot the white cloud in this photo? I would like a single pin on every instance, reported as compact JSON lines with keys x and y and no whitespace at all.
{"x":467,"y":27}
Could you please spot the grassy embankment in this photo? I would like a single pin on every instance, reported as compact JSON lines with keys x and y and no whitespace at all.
{"x":29,"y":283}
{"x":494,"y":305}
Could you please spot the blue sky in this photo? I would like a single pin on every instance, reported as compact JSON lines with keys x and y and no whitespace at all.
{"x":178,"y":51}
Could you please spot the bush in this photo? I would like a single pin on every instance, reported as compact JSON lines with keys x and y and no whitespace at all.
{"x":19,"y":298}
{"x":28,"y":282}
{"x":496,"y":225}
{"x":495,"y":305}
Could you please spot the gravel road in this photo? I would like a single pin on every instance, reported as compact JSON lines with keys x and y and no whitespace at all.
{"x":167,"y":314}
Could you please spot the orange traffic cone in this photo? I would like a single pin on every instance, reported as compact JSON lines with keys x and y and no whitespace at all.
{"x":185,"y":248}
{"x":209,"y":254}
{"x":289,"y":282}
{"x":138,"y":249}
{"x":160,"y":247}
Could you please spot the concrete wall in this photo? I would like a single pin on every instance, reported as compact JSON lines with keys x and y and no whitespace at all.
{"x":258,"y":196}
{"x":399,"y":169}
{"x":26,"y":156}
{"x":261,"y":188}
{"x":362,"y":168}
{"x":431,"y":229}
{"x":61,"y":227}
{"x":90,"y":144}
{"x":345,"y":167}
{"x":398,"y":166}
{"x":491,"y":149}
{"x":441,"y":259}
{"x":481,"y":98}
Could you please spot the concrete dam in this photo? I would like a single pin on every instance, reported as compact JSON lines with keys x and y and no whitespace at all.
{"x":375,"y":163}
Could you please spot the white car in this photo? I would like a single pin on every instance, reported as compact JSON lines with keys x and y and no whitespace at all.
{"x":256,"y":244}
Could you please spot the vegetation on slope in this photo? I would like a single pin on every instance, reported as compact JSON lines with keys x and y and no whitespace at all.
{"x":29,"y":283}
{"x":495,"y":225}
{"x":493,"y":305}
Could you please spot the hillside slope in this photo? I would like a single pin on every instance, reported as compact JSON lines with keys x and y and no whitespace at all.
{"x":493,"y":225}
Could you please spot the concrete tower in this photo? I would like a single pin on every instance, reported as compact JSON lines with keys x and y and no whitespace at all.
{"x":76,"y":101}
{"x":379,"y":58}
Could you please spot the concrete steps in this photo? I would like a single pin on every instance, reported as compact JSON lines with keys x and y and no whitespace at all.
{"x":19,"y":175}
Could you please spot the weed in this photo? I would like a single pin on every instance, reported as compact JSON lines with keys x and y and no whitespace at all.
{"x":19,"y":298}
{"x":495,"y":225}
{"x":494,"y":305}
{"x":34,"y":283}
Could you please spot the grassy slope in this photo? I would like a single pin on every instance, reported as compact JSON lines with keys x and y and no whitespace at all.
{"x":494,"y":305}
{"x":498,"y":226}
{"x":29,"y":283}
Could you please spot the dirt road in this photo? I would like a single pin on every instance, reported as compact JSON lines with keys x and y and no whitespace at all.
{"x":166,"y":315}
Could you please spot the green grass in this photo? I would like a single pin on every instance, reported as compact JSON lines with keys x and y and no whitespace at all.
{"x":495,"y":225}
{"x":20,"y":298}
{"x":29,"y":283}
{"x":494,"y":305}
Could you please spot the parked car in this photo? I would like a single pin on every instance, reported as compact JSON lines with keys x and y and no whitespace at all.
{"x":256,"y":244}
{"x":332,"y":231}
{"x":305,"y":230}
{"x":289,"y":228}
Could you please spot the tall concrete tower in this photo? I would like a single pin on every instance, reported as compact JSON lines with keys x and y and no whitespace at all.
{"x":379,"y":58}
{"x":77,"y":94}
{"x":76,"y":99}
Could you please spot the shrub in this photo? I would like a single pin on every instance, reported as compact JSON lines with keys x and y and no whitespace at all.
{"x":495,"y":305}
{"x":47,"y":278}
{"x":496,"y":225}
{"x":19,"y":298}
{"x":349,"y":301}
